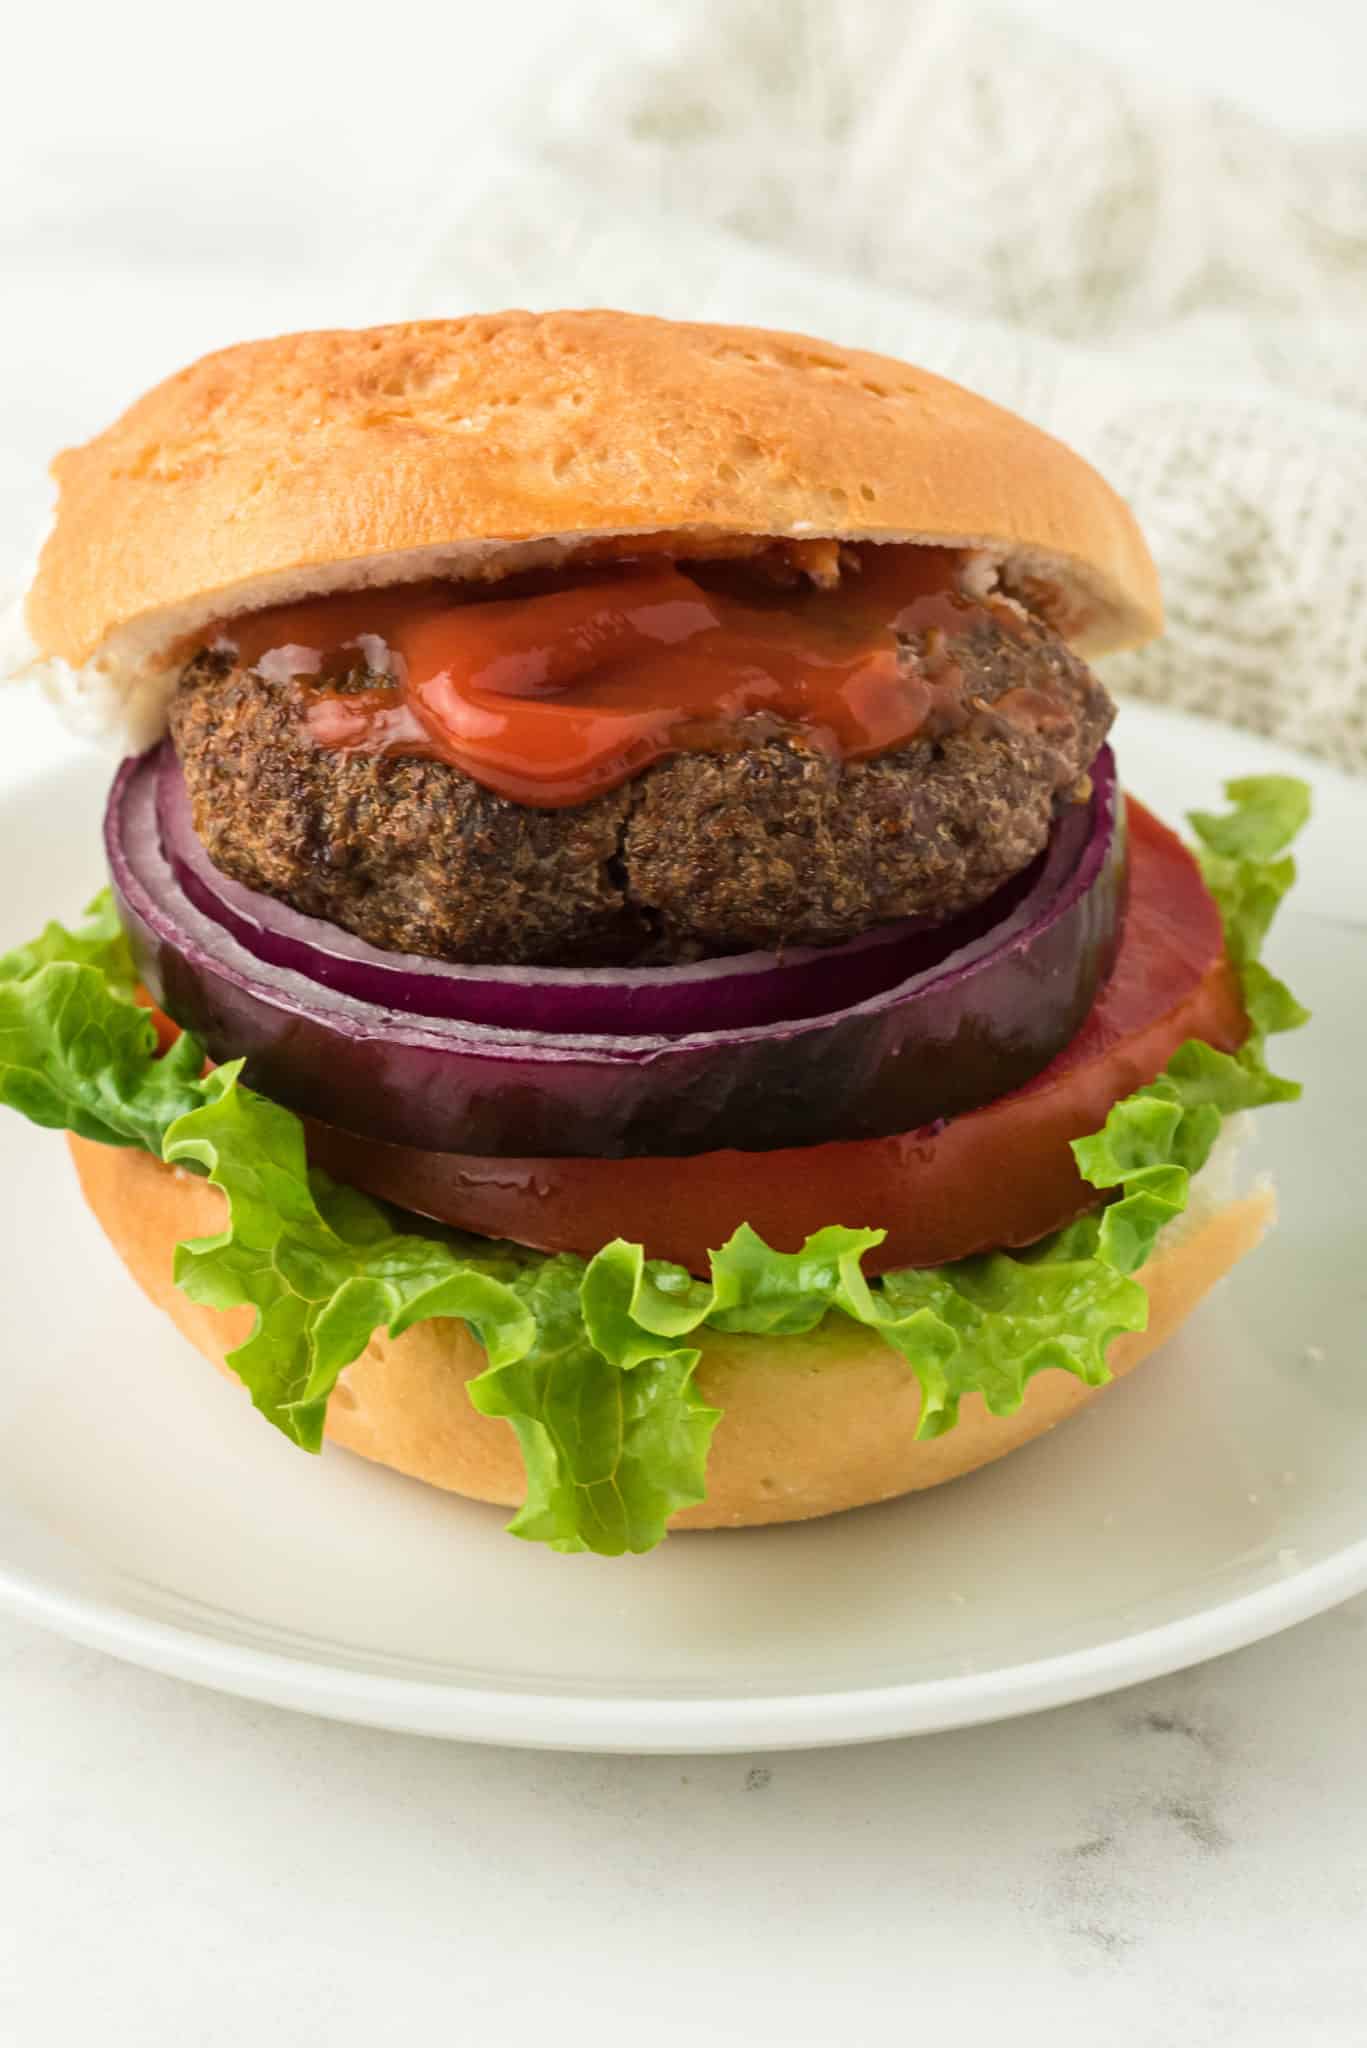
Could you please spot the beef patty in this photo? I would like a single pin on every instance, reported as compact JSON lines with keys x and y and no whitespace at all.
{"x":771,"y":843}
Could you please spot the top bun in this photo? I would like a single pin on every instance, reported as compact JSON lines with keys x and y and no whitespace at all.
{"x":281,"y":469}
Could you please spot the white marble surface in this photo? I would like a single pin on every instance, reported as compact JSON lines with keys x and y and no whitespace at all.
{"x":1184,"y":1863}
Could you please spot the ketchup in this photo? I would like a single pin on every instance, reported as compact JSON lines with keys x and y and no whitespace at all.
{"x":559,"y":693}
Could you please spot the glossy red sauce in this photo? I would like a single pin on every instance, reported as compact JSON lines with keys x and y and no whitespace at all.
{"x":571,"y":685}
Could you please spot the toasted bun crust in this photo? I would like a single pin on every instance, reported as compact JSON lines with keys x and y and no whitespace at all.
{"x":332,"y":460}
{"x":809,"y":1425}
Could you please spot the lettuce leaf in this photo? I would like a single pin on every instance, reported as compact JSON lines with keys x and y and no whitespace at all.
{"x":612,"y":1447}
{"x":98,"y":942}
{"x":593,"y":1363}
{"x":323,"y":1266}
{"x":76,"y":1052}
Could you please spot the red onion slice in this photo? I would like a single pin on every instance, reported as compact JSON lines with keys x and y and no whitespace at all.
{"x":992,"y":1011}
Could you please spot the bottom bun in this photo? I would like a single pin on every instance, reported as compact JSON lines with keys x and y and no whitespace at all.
{"x":809,"y":1424}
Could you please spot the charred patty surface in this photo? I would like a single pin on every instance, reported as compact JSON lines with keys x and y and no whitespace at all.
{"x":771,"y":843}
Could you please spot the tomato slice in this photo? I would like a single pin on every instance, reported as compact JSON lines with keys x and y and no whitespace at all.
{"x":167,"y":1030}
{"x":999,"y":1176}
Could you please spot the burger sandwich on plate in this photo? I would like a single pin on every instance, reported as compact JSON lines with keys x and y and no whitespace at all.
{"x":629,"y":987}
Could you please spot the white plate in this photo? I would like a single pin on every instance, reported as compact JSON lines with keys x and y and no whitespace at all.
{"x":1215,"y":1498}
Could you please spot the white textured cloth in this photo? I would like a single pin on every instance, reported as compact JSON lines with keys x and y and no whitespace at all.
{"x":1176,"y":290}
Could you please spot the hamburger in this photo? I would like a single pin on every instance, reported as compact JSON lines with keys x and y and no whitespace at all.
{"x":629,"y":988}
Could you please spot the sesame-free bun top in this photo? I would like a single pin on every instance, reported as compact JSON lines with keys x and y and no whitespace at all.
{"x":315,"y":462}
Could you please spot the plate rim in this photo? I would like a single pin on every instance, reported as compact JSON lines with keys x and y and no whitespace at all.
{"x":509,"y":1715}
